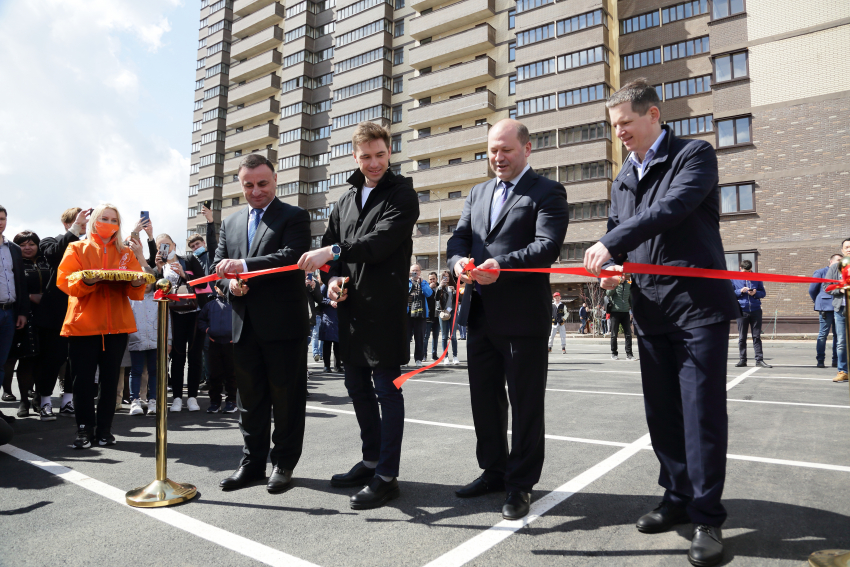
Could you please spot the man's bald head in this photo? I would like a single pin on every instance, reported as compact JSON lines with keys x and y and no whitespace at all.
{"x":508,"y":148}
{"x":518,"y":128}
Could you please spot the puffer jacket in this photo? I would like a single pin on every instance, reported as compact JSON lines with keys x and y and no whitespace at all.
{"x":146,"y":335}
{"x":102,"y":308}
{"x":621,"y":297}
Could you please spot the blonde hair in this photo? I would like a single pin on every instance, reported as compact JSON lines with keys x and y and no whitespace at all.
{"x":368,"y":131}
{"x":95,"y":215}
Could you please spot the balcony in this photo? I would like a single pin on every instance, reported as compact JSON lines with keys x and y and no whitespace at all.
{"x":467,"y":173}
{"x":453,"y":78}
{"x":258,"y":137}
{"x":262,"y":111}
{"x":464,"y":140}
{"x":469,"y":42}
{"x":473,"y":105}
{"x":261,"y":19}
{"x":262,"y":64}
{"x":257,"y":43}
{"x":244,"y":7}
{"x":445,"y":208}
{"x":451,"y":17}
{"x":420,"y":5}
{"x":231,"y":165}
{"x":263,"y":87}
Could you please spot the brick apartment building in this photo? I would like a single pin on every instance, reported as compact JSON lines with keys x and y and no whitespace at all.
{"x":761,"y":80}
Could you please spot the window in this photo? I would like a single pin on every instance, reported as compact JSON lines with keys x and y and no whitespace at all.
{"x":298,"y":160}
{"x":399,"y":29}
{"x":642,"y":59}
{"x":730,"y":67}
{"x":234,"y":201}
{"x":321,"y":213}
{"x":318,"y":187}
{"x":682,"y":11}
{"x":425,"y":41}
{"x":425,"y":101}
{"x":196,"y":126}
{"x":398,"y":56}
{"x":585,"y":171}
{"x":734,"y":131}
{"x":423,"y":262}
{"x":736,"y":198}
{"x":725,"y":8}
{"x":362,"y":59}
{"x":199,"y":84}
{"x":193,"y":190}
{"x":423,"y":132}
{"x":221,"y":5}
{"x":202,"y":43}
{"x":398,"y":85}
{"x":587,"y":132}
{"x":201,"y":62}
{"x":512,"y":113}
{"x":395,"y":168}
{"x":364,"y":31}
{"x":211,"y":159}
{"x":196,"y":147}
{"x":222,"y":68}
{"x":512,"y":85}
{"x":424,"y":71}
{"x":199,"y":104}
{"x":220,"y":90}
{"x":537,"y":69}
{"x":422,"y":229}
{"x":208,"y":182}
{"x":540,"y":140}
{"x":534,"y":105}
{"x":582,"y":95}
{"x":686,"y":48}
{"x":345,"y":149}
{"x":637,"y":23}
{"x":455,"y":195}
{"x":322,"y":106}
{"x":734,"y":259}
{"x":582,"y":58}
{"x":687,"y":87}
{"x":423,"y":164}
{"x":353,"y":118}
{"x":203,"y":23}
{"x":194,"y":168}
{"x":548,"y":173}
{"x":691,"y":126}
{"x":450,"y":228}
{"x":193,"y":212}
{"x":218,"y":26}
{"x":399,"y":4}
{"x":511,"y":19}
{"x":455,"y":161}
{"x":356,"y":8}
{"x":480,"y":121}
{"x":292,"y":188}
{"x":481,"y":155}
{"x":574,"y":250}
{"x":214,"y":136}
{"x":424,"y":196}
{"x":512,"y":51}
{"x":220,"y":46}
{"x":340,"y":178}
{"x":219,"y":112}
{"x":397,"y":114}
{"x":396,"y":143}
{"x":361,"y":87}
{"x":584,"y":211}
{"x":535,"y":34}
{"x":293,"y":135}
{"x":526,"y":5}
{"x":581,"y":21}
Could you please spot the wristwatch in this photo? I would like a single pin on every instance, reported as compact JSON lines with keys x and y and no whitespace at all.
{"x":336,"y":250}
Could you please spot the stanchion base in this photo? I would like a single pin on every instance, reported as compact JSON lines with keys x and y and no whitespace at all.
{"x":161,"y":493}
{"x":830,"y":558}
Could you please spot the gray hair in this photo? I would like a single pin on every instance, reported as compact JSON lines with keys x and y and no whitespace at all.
{"x":252,"y":161}
{"x":639,"y":93}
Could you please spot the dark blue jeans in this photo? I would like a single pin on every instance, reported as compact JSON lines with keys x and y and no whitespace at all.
{"x":7,"y":333}
{"x":827,"y":322}
{"x":380,"y":414}
{"x":446,"y":328}
{"x":840,"y":331}
{"x":138,"y":359}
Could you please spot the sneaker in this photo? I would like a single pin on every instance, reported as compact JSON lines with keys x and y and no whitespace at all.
{"x":177,"y":404}
{"x":46,"y":413}
{"x":840,"y":377}
{"x":68,"y":409}
{"x":550,"y":349}
{"x":83,"y":440}
{"x":615,"y":357}
{"x":136,"y":408}
{"x":317,"y":357}
{"x":418,"y":363}
{"x":630,"y":357}
{"x":105,"y":439}
{"x":230,"y":407}
{"x":446,"y":361}
{"x":151,"y":406}
{"x":8,"y":397}
{"x":563,"y":351}
{"x":192,"y":404}
{"x":455,"y":360}
{"x":214,"y":408}
{"x":203,"y":386}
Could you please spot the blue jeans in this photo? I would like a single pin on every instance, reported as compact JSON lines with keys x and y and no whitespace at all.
{"x":827,"y":322}
{"x":138,"y":358}
{"x":446,"y":328}
{"x":317,"y":344}
{"x":462,"y":330}
{"x":842,"y":339}
{"x":7,"y":334}
{"x":432,"y":327}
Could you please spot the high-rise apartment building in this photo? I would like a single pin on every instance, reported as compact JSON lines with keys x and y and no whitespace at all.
{"x":760,"y":80}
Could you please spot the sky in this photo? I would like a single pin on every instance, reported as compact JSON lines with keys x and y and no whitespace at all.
{"x":96,"y":104}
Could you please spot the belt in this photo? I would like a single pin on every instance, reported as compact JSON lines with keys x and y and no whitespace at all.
{"x":5,"y":306}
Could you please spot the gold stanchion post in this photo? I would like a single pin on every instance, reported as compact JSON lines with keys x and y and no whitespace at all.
{"x":162,"y":491}
{"x":837,"y":557}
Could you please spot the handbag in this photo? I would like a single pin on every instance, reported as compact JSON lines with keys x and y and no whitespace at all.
{"x":445,"y":316}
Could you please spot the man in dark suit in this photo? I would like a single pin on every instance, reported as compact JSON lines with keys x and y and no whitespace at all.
{"x":270,"y":325}
{"x":517,"y":220}
{"x":665,"y":209}
{"x":14,"y":299}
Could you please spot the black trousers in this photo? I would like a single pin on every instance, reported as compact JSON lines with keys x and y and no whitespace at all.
{"x":186,"y":344}
{"x":222,"y":373}
{"x":684,"y":388}
{"x":432,"y":334}
{"x":522,"y":363}
{"x":53,"y":352}
{"x":88,"y":354}
{"x":271,"y":377}
{"x":618,"y":317}
{"x":417,"y":329}
{"x":751,"y":319}
{"x":326,"y":353}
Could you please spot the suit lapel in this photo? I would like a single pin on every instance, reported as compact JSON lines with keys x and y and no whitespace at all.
{"x":489,"y":190}
{"x":241,"y":232}
{"x":525,"y":182}
{"x":265,"y":221}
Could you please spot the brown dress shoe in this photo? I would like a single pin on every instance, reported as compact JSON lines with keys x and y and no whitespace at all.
{"x":840,"y":377}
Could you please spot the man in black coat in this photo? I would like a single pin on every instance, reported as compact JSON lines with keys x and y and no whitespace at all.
{"x":369,"y":242}
{"x":517,"y":220}
{"x":270,"y":325}
{"x":665,"y":210}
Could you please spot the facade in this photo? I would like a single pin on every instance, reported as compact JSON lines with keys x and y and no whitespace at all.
{"x":292,"y":81}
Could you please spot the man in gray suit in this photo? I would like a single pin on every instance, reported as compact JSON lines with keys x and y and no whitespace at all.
{"x":517,"y":220}
{"x":270,"y":325}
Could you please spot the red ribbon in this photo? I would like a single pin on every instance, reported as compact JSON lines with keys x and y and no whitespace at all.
{"x":173,"y":296}
{"x":845,"y":276}
{"x":247,"y":275}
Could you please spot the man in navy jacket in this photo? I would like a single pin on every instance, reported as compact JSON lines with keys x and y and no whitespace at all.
{"x":826,"y":315}
{"x":665,"y":209}
{"x":749,"y":294}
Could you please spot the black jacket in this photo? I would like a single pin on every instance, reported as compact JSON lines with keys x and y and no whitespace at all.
{"x":217,"y":316}
{"x":559,"y":311}
{"x":206,"y":258}
{"x":527,"y":234}
{"x":377,"y":244}
{"x":22,"y":298}
{"x":314,"y":301}
{"x":194,"y":269}
{"x":276,"y":304}
{"x":671,"y":217}
{"x":54,"y":302}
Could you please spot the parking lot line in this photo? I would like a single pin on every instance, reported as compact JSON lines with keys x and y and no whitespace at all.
{"x":768,"y":377}
{"x":228,"y":540}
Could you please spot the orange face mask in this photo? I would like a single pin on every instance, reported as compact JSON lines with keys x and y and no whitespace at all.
{"x":105,"y":230}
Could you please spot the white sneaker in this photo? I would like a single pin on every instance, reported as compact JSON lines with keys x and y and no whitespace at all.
{"x":418,"y":363}
{"x":446,"y":360}
{"x":177,"y":404}
{"x":455,"y":361}
{"x":152,"y":406}
{"x":192,"y":404}
{"x":136,"y":408}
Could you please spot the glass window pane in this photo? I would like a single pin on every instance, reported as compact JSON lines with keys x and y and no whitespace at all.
{"x":728,"y":200}
{"x":723,"y":68}
{"x":725,"y":133}
{"x":721,"y":9}
{"x":745,"y":193}
{"x":739,"y":65}
{"x":742,"y":127}
{"x":751,"y":256}
{"x":731,"y":259}
{"x":737,"y":8}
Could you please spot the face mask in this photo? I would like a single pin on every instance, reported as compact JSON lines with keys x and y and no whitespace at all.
{"x":105,"y":230}
{"x":200,"y":250}
{"x":172,"y":254}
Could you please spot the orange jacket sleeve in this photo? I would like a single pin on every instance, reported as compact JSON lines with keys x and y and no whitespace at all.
{"x":71,"y":263}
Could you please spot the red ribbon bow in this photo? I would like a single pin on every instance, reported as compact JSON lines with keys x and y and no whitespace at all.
{"x":845,"y":280}
{"x":173,"y":296}
{"x":247,"y":275}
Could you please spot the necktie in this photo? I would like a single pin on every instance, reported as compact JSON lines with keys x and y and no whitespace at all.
{"x":499,"y":201}
{"x":252,"y":225}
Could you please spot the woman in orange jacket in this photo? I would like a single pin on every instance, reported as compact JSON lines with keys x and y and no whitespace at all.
{"x":98,"y":321}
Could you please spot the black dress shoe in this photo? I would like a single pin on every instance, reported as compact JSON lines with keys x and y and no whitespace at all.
{"x":664,"y":517}
{"x":375,"y":494}
{"x":279,"y":480}
{"x":741,"y":363}
{"x":706,"y":547}
{"x":516,"y":505}
{"x":242,"y":477}
{"x":326,"y":370}
{"x":480,"y":487}
{"x":359,"y":475}
{"x":763,"y":364}
{"x":821,"y":365}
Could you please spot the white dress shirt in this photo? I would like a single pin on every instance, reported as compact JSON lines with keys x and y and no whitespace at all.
{"x":262,"y":212}
{"x":498,"y":198}
{"x":650,"y":154}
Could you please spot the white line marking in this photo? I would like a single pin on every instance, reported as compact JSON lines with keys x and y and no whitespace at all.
{"x":792,"y":378}
{"x":789,"y":404}
{"x":239,"y":544}
{"x":731,"y":384}
{"x":789,"y":463}
{"x":547,"y":389}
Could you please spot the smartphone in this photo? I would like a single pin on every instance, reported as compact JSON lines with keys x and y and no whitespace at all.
{"x":310,"y":277}
{"x":208,"y":204}
{"x":90,"y":211}
{"x":163,"y":251}
{"x":342,"y":286}
{"x":146,"y":216}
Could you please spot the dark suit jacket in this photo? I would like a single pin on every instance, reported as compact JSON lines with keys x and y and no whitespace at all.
{"x":22,"y":297}
{"x":527,"y":234}
{"x":275,"y":305}
{"x":671,"y":217}
{"x":54,"y":303}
